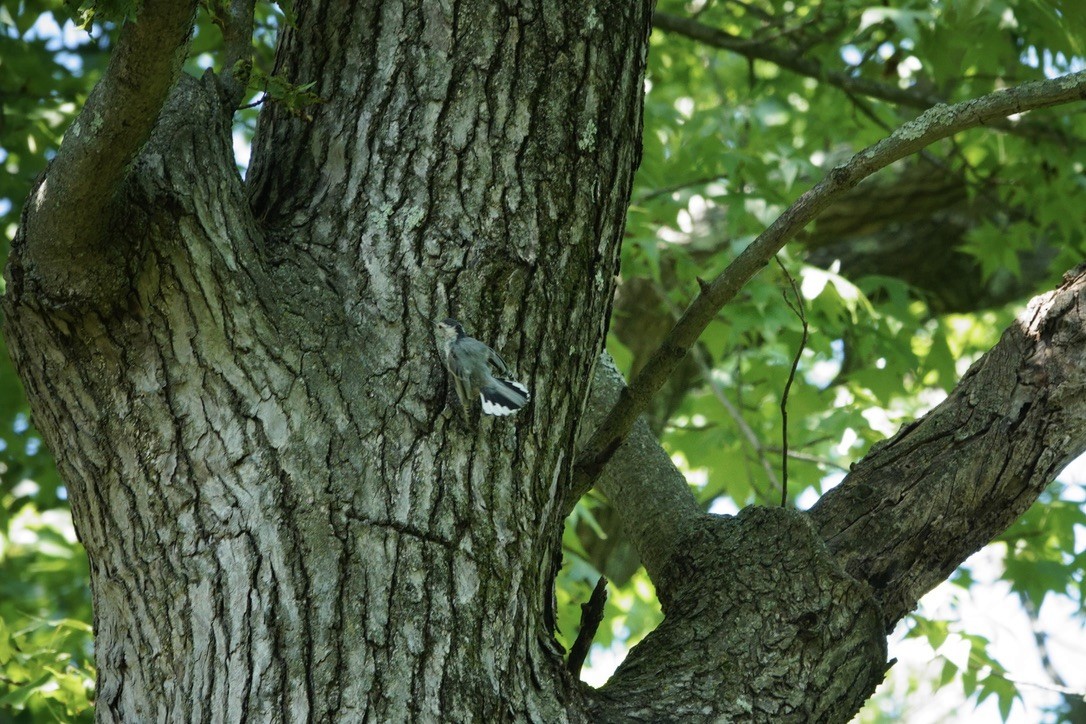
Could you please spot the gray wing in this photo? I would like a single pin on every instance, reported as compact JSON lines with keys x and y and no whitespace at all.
{"x":459,"y":370}
{"x":468,"y":362}
{"x":473,"y":366}
{"x":497,"y":361}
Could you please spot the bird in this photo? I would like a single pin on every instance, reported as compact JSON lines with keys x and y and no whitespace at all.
{"x":478,"y":370}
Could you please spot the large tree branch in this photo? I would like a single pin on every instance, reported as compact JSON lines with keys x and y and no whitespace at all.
{"x":937,"y":123}
{"x":801,"y":64}
{"x":69,"y":210}
{"x":805,"y":600}
{"x":236,"y":23}
{"x":918,"y":505}
{"x":653,"y":501}
{"x":763,"y":625}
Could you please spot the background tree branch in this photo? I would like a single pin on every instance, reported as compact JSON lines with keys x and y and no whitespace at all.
{"x":793,"y":61}
{"x":936,"y":123}
{"x":65,"y":242}
{"x":236,"y":22}
{"x":798,"y":62}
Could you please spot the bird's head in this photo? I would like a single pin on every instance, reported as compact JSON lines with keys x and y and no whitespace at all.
{"x":449,"y":328}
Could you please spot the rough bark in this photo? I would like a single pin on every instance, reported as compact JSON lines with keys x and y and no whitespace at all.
{"x":762,"y":625}
{"x":75,"y":256}
{"x":919,"y":504}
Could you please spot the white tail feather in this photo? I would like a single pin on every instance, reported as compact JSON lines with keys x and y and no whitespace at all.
{"x":504,"y":397}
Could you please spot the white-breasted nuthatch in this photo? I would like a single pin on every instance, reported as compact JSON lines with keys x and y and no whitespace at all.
{"x":475,"y":370}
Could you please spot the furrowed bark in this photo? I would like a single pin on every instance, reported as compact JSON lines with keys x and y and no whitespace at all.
{"x":285,"y":519}
{"x":70,"y":253}
{"x":762,"y":625}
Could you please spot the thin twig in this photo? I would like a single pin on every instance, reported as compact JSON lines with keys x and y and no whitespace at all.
{"x":802,"y":314}
{"x":680,"y":186}
{"x":255,"y":103}
{"x":591,"y":616}
{"x":1040,"y":637}
{"x":739,"y":406}
{"x":808,"y":458}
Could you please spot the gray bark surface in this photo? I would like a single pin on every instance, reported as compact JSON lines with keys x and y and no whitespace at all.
{"x":285,"y":520}
{"x":762,"y":624}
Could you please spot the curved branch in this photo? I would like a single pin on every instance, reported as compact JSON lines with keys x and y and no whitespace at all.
{"x":802,"y":65}
{"x":68,"y":211}
{"x":764,"y":625}
{"x":795,"y":62}
{"x":921,"y":503}
{"x":805,"y":599}
{"x":237,"y":34}
{"x":936,"y":123}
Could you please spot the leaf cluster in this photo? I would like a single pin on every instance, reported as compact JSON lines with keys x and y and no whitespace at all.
{"x":46,"y":663}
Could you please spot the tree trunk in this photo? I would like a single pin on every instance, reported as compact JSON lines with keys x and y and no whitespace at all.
{"x":286,"y":517}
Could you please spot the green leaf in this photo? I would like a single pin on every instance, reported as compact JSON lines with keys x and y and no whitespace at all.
{"x":17,"y":698}
{"x":949,"y":671}
{"x":84,"y":12}
{"x":6,"y":648}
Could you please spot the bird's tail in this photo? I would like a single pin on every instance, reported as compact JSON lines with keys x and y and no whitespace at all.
{"x":503,"y":397}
